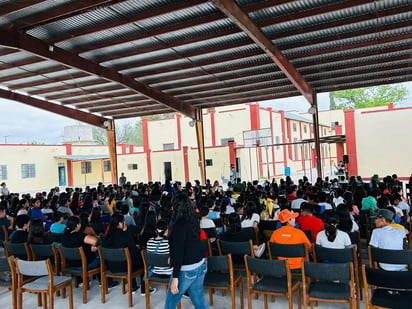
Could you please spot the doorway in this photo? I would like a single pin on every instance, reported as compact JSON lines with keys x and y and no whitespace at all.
{"x":62,"y":175}
{"x":168,"y":170}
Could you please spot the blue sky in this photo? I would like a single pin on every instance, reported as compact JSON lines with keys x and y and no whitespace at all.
{"x":21,"y":123}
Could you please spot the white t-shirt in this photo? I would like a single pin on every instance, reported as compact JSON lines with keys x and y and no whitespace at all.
{"x":388,"y":237}
{"x":249,"y":222}
{"x":296,"y":203}
{"x":341,"y":241}
{"x":206,"y":223}
{"x":327,"y":205}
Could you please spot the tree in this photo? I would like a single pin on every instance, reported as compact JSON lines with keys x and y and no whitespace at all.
{"x":128,"y":133}
{"x":367,"y":97}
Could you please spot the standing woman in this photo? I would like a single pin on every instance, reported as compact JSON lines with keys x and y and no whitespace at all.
{"x":186,"y":256}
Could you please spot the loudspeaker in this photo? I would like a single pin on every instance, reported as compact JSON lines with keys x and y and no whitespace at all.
{"x":345,"y":159}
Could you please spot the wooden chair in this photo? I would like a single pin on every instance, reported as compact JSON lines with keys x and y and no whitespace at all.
{"x":152,"y":260}
{"x":18,"y":250}
{"x":206,"y":246}
{"x":211,"y":232}
{"x":46,"y":283}
{"x":309,"y":235}
{"x":389,"y":289}
{"x":120,"y":255}
{"x":42,"y":252}
{"x":331,"y":282}
{"x":77,"y":254}
{"x":220,"y":275}
{"x":267,"y":227}
{"x":276,"y":280}
{"x":5,"y":235}
{"x":388,"y":256}
{"x":288,"y":251}
{"x":347,"y":255}
{"x":12,"y":283}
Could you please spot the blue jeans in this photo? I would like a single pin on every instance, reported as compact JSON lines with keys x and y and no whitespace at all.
{"x":191,"y":281}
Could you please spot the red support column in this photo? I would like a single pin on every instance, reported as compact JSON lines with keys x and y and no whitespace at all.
{"x":273,"y":148}
{"x":69,"y":165}
{"x":186,"y":163}
{"x":232,"y":153}
{"x":351,"y":142}
{"x":282,"y":119}
{"x":145,"y":132}
{"x":289,"y":129}
{"x":255,"y":125}
{"x":212,"y":126}
{"x":179,"y":131}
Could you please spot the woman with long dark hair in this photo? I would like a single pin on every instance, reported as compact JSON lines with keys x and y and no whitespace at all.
{"x":186,"y":256}
{"x":37,"y":234}
{"x":331,"y":236}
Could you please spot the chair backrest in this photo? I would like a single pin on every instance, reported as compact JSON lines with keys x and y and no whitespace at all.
{"x":235,"y":248}
{"x":206,"y":246}
{"x":309,"y":234}
{"x":287,"y":251}
{"x":252,"y":232}
{"x":42,"y":252}
{"x":386,"y":279}
{"x":114,"y":254}
{"x":70,"y":255}
{"x":17,"y":250}
{"x":219,"y":263}
{"x":218,"y":222}
{"x":328,"y":272}
{"x":33,"y":268}
{"x":56,"y":237}
{"x":270,"y":225}
{"x":210,"y":232}
{"x":389,"y":256}
{"x":271,"y":268}
{"x":155,"y":259}
{"x":335,"y":255}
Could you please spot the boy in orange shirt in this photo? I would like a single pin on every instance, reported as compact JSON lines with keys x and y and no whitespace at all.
{"x":290,"y":235}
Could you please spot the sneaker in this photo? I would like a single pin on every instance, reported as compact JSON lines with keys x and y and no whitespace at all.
{"x":260,"y":249}
{"x":134,"y":291}
{"x":151,"y":291}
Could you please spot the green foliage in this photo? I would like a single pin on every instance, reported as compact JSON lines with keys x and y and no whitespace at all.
{"x":367,"y":97}
{"x":128,"y":133}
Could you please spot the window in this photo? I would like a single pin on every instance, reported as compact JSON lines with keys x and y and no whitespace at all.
{"x":294,"y":127}
{"x":3,"y":172}
{"x":28,"y":171}
{"x":132,"y":166}
{"x":107,"y":166}
{"x":225,"y":141}
{"x":86,"y":167}
{"x":305,"y":128}
{"x":277,"y":142}
{"x":209,"y":162}
{"x":169,"y":146}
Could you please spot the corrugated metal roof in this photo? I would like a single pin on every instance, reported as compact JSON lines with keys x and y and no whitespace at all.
{"x":129,"y":58}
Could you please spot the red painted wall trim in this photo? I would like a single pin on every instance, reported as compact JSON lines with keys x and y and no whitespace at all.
{"x":186,"y":163}
{"x":212,"y":126}
{"x":69,"y":173}
{"x":145,"y":132}
{"x":254,"y":117}
{"x":351,"y":142}
{"x":149,"y":165}
{"x":386,"y":110}
{"x":273,"y":141}
{"x":288,"y":126}
{"x":68,"y":149}
{"x":179,"y":131}
{"x":131,"y":149}
{"x":123,"y":146}
{"x":282,"y":119}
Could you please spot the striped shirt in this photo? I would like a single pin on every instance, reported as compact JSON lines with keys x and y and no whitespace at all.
{"x":163,"y":248}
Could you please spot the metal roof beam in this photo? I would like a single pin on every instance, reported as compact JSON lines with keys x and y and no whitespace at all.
{"x":243,"y":21}
{"x":96,"y":97}
{"x":68,"y":86}
{"x":18,"y":76}
{"x":82,"y":92}
{"x":117,"y":101}
{"x":14,"y":39}
{"x":54,"y":108}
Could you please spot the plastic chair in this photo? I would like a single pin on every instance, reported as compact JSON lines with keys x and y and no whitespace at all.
{"x":236,"y":249}
{"x":220,"y":275}
{"x":346,"y":255}
{"x":389,"y":289}
{"x":47,"y":283}
{"x":77,"y":254}
{"x":332,"y":282}
{"x":120,"y":255}
{"x":389,"y":256}
{"x":276,"y":280}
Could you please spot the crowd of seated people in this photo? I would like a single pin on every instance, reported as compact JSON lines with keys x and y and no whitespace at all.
{"x":328,"y":209}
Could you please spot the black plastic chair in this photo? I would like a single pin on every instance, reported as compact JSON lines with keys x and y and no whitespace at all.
{"x":389,"y":289}
{"x":332,"y":282}
{"x":77,"y":254}
{"x":220,"y":275}
{"x":118,"y":255}
{"x":347,"y":255}
{"x":276,"y":280}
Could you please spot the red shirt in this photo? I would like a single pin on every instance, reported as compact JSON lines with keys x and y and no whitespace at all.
{"x":311,"y":223}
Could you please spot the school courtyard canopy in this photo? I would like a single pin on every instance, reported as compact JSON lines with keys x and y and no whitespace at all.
{"x":99,"y":60}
